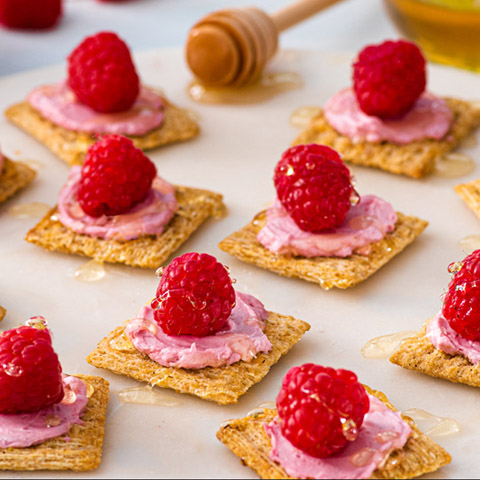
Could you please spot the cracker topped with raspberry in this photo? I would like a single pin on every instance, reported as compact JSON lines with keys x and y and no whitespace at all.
{"x":101,"y":94}
{"x":387,"y":119}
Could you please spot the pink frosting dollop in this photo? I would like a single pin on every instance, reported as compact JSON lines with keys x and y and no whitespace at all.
{"x":365,"y":223}
{"x":60,"y":105}
{"x":26,"y":429}
{"x":429,"y":117}
{"x":446,"y":339}
{"x":148,"y":217}
{"x":383,"y":431}
{"x":241,"y":339}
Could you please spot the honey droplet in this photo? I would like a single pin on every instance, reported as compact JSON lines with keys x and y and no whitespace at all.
{"x":302,"y":116}
{"x":30,"y":210}
{"x":92,"y":271}
{"x":454,"y":165}
{"x":469,"y":243}
{"x":349,"y":429}
{"x":268,"y":85}
{"x":255,"y":412}
{"x":387,"y":436}
{"x":69,"y":395}
{"x":143,"y":324}
{"x":12,"y":370}
{"x":455,"y":267}
{"x":159,"y":272}
{"x":438,"y":426}
{"x":122,"y":344}
{"x":385,"y":345}
{"x":363,"y":457}
{"x":90,"y":389}
{"x":3,"y":312}
{"x":37,"y":322}
{"x":268,"y":405}
{"x":146,"y":395}
{"x":52,"y":421}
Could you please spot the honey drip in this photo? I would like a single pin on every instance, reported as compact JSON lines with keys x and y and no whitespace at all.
{"x":469,"y":243}
{"x":122,"y":344}
{"x":261,"y":408}
{"x":90,"y":389}
{"x":440,"y":426}
{"x":91,"y":271}
{"x":30,"y":210}
{"x":302,"y":116}
{"x":52,"y":421}
{"x":454,"y":165}
{"x":3,"y":312}
{"x":146,"y":395}
{"x":362,"y":458}
{"x":384,"y":346}
{"x":267,"y":86}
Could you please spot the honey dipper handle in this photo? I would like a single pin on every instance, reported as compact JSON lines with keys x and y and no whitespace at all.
{"x":298,"y":11}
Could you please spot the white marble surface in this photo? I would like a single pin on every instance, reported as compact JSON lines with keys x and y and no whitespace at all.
{"x":235,"y":154}
{"x":147,"y":24}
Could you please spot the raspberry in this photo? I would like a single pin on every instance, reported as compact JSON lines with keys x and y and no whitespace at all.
{"x":102,"y":74}
{"x":461,"y":305}
{"x":388,"y":78}
{"x":195,"y":296}
{"x":30,"y":373}
{"x":30,"y":14}
{"x":115,"y":177}
{"x":321,"y":409}
{"x":314,"y":186}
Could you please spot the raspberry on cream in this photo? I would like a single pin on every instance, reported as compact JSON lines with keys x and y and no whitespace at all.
{"x":149,"y":217}
{"x":444,"y":338}
{"x":383,"y":431}
{"x":26,"y":429}
{"x":241,"y":339}
{"x":365,"y":223}
{"x":429,"y":117}
{"x":59,"y":104}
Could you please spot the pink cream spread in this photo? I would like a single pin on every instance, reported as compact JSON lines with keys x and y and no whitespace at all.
{"x":59,"y":104}
{"x":382,"y":432}
{"x":241,"y":339}
{"x":148,"y":217}
{"x":25,"y":429}
{"x":365,"y":223}
{"x":443,"y":337}
{"x":429,"y":117}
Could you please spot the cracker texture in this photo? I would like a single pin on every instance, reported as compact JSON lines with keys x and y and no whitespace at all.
{"x":418,"y":353}
{"x":415,"y":159}
{"x":470,"y":194}
{"x":13,"y":177}
{"x":223,"y":385}
{"x":71,"y":146}
{"x":247,"y":439}
{"x":326,"y":271}
{"x":148,"y":251}
{"x":83,"y":451}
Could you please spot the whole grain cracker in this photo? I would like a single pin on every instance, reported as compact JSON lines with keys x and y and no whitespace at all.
{"x":148,"y":251}
{"x":13,"y":177}
{"x":3,"y":312}
{"x":82,"y":452}
{"x":470,"y":194}
{"x":415,"y":159}
{"x":71,"y":146}
{"x":247,"y":438}
{"x":223,"y":385}
{"x":418,"y":353}
{"x":326,"y":271}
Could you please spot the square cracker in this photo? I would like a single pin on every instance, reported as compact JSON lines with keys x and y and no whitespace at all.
{"x":13,"y":177}
{"x":326,"y":271}
{"x":247,"y":439}
{"x":71,"y":146}
{"x":418,"y":353}
{"x":3,"y":312}
{"x":223,"y":385}
{"x":148,"y":251}
{"x":470,"y":194}
{"x":83,"y":451}
{"x":414,"y":159}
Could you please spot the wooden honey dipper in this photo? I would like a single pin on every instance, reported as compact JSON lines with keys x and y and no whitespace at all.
{"x":231,"y":46}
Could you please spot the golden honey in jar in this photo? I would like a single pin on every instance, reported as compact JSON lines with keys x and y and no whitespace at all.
{"x":448,"y":31}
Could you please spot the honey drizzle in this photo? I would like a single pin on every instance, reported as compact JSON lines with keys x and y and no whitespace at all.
{"x":146,"y":395}
{"x":29,"y":210}
{"x":440,"y":426}
{"x":91,"y":271}
{"x":469,"y":243}
{"x":454,"y":165}
{"x":385,"y":345}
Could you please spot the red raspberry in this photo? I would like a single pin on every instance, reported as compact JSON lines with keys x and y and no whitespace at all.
{"x":388,"y":78}
{"x":461,"y":305}
{"x":314,"y":186}
{"x":30,"y":373}
{"x":321,"y":409}
{"x":195,"y":296}
{"x":30,"y":14}
{"x":102,"y":74}
{"x":115,"y":177}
